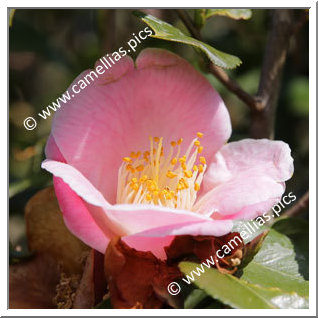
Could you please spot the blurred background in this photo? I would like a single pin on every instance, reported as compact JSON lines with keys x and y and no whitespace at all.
{"x":49,"y":48}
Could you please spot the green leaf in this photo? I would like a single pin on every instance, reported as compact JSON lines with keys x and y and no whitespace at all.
{"x":166,"y":31}
{"x":194,"y":298}
{"x":298,"y":232}
{"x":238,"y":293}
{"x":251,"y":231}
{"x":235,"y":14}
{"x":201,"y":15}
{"x":275,"y":266}
{"x":252,"y":248}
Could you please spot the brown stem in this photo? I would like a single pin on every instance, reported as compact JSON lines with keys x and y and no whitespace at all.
{"x":299,"y":206}
{"x":221,"y":75}
{"x":263,"y":119}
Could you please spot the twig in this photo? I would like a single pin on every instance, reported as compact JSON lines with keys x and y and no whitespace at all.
{"x":299,"y":206}
{"x":221,"y":75}
{"x":262,"y":125}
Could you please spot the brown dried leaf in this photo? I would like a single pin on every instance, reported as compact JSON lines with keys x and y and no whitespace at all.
{"x":93,"y":285}
{"x":200,"y":248}
{"x":32,"y":283}
{"x":138,"y":279}
{"x":47,"y":232}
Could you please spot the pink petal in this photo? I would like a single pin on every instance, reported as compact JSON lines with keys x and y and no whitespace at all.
{"x":153,"y":244}
{"x":269,"y":157}
{"x":155,"y":239}
{"x":83,"y":206}
{"x":78,"y":218}
{"x":93,"y":199}
{"x":245,"y":179}
{"x":76,"y":181}
{"x":211,"y":227}
{"x":52,"y":151}
{"x":165,"y":96}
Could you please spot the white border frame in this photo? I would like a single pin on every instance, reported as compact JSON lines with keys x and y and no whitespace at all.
{"x":312,"y":160}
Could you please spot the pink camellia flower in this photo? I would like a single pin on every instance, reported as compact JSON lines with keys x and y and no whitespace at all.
{"x":140,"y":153}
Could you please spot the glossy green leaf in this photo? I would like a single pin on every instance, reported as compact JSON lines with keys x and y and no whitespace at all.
{"x":194,"y":298}
{"x":297,"y":231}
{"x":166,"y":31}
{"x":235,"y":14}
{"x":201,"y":15}
{"x":275,"y":266}
{"x":239,"y":293}
{"x":248,"y":230}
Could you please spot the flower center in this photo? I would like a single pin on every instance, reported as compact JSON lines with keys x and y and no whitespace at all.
{"x":160,"y":178}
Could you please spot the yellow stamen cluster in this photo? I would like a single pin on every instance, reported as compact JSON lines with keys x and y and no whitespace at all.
{"x":152,"y":177}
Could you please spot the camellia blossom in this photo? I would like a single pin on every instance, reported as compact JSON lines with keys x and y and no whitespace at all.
{"x":141,"y":153}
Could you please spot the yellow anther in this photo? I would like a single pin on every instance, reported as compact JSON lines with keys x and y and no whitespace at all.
{"x":127,"y":159}
{"x":168,"y":196}
{"x":143,"y":179}
{"x":188,"y":173}
{"x":185,"y":183}
{"x":163,"y":184}
{"x":180,"y":141}
{"x":202,"y":160}
{"x":173,"y":161}
{"x":140,"y":168}
{"x":152,"y":187}
{"x":180,"y":187}
{"x":171,"y":174}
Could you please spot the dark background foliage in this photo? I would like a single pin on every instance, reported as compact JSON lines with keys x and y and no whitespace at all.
{"x":49,"y":48}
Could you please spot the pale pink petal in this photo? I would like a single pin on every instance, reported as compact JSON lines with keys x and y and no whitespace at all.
{"x":93,"y":199}
{"x":211,"y":227}
{"x":262,"y":155}
{"x":247,"y":189}
{"x":155,"y":239}
{"x":76,"y":181}
{"x":165,"y":96}
{"x":139,"y":218}
{"x":245,"y":178}
{"x":249,"y":212}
